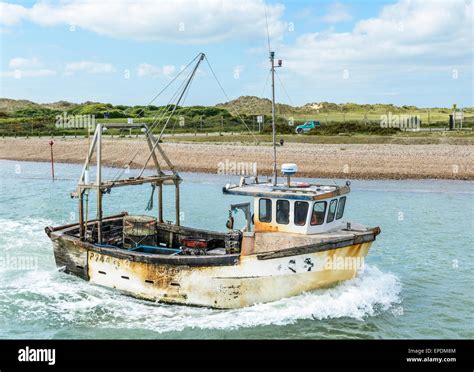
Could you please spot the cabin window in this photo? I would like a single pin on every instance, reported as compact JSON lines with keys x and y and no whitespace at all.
{"x":301,"y":211}
{"x":265,"y":210}
{"x":319,"y":211}
{"x":332,"y":210}
{"x":340,"y":209}
{"x":283,"y":212}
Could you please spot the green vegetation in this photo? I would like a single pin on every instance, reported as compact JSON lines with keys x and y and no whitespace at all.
{"x":352,"y":127}
{"x":34,"y":112}
{"x":21,"y":117}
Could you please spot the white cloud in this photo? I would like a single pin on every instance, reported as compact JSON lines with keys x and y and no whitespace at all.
{"x":145,"y":69}
{"x":11,"y":14}
{"x":89,"y":67}
{"x":19,"y":73}
{"x":20,"y":67}
{"x":168,"y":70}
{"x":21,"y":63}
{"x":337,"y":12}
{"x":408,"y":34}
{"x":182,"y":21}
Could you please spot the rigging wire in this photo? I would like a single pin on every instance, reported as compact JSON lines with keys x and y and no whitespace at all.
{"x":180,"y":108}
{"x":186,"y":87}
{"x":162,"y":113}
{"x":170,"y":109}
{"x":266,"y":22}
{"x":171,"y":82}
{"x":228,"y":99}
{"x":266,"y":83}
{"x":179,"y":93}
{"x":175,"y":95}
{"x":284,"y":89}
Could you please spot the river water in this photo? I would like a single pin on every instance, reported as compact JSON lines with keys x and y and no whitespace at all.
{"x":417,"y":281}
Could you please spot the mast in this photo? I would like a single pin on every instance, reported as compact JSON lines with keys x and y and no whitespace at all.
{"x":272,"y":61}
{"x":99,"y":183}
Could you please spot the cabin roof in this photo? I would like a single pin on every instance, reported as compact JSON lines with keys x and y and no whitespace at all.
{"x":299,"y":191}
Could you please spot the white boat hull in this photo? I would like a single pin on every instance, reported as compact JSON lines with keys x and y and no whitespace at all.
{"x":251,"y":281}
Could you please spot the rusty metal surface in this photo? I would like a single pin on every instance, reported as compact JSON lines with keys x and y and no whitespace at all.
{"x":49,"y":229}
{"x":250,"y":281}
{"x":293,"y":193}
{"x":248,"y":244}
{"x":274,"y":244}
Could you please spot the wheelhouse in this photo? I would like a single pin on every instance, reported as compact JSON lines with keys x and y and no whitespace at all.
{"x":298,"y":216}
{"x":300,"y":208}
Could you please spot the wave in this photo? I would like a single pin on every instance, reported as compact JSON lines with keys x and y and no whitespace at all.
{"x":52,"y":298}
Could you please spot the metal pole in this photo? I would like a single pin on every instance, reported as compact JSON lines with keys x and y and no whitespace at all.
{"x":160,"y":202}
{"x":81,"y":215}
{"x":176,"y":182}
{"x":51,"y":143}
{"x":98,"y":183}
{"x":272,"y":60}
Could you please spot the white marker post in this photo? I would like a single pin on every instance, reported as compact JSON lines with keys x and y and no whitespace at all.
{"x":260,"y":122}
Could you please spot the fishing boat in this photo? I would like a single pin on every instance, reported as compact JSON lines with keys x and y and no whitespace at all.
{"x":295,"y":238}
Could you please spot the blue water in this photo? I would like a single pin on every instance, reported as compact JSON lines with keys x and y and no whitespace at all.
{"x":417,"y":283}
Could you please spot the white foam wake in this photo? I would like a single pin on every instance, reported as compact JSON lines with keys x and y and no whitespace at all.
{"x":45,"y":296}
{"x":55,"y":298}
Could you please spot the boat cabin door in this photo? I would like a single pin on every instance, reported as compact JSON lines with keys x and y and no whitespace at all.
{"x":245,"y":207}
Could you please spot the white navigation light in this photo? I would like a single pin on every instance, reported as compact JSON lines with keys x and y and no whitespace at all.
{"x":289,"y":169}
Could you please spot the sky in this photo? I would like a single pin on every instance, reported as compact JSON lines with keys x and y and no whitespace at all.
{"x":406,"y":52}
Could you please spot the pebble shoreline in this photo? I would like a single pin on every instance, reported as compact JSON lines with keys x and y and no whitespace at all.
{"x":349,"y":161}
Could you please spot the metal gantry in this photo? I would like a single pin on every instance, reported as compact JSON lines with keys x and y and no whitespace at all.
{"x":101,"y":186}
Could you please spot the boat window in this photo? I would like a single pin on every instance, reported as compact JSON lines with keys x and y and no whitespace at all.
{"x":301,"y":211}
{"x":340,"y":209}
{"x":332,"y":210}
{"x":319,"y":211}
{"x":265,"y":210}
{"x":283,"y":212}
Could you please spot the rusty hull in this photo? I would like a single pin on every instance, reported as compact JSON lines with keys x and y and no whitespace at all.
{"x":218,"y":282}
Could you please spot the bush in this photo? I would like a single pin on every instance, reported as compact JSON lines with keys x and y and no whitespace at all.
{"x":29,"y":112}
{"x":98,"y":110}
{"x":137,"y":112}
{"x":202,"y":111}
{"x":281,"y":128}
{"x":113,"y":114}
{"x":352,"y":127}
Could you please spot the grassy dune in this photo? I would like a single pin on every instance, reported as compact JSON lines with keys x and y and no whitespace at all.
{"x":21,"y":117}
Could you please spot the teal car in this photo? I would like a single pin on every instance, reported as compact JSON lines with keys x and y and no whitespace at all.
{"x":307,"y":126}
